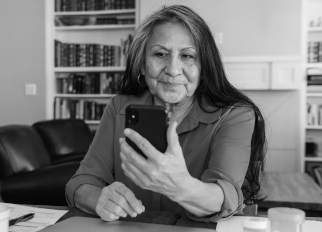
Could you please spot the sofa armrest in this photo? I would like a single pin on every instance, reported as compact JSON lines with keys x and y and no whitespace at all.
{"x":45,"y":186}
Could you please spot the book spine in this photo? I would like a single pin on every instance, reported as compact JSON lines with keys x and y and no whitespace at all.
{"x":320,"y":52}
{"x":57,"y":108}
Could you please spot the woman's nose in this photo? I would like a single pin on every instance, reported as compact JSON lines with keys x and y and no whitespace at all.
{"x":173,"y":66}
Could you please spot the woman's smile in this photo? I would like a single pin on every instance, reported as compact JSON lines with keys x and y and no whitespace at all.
{"x":171,"y":86}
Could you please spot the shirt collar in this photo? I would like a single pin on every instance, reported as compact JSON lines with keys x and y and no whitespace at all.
{"x":198,"y":115}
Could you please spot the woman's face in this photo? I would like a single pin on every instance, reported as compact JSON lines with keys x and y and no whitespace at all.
{"x":172,"y":68}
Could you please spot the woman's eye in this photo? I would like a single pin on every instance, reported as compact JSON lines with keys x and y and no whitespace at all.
{"x":160,"y":54}
{"x":187,"y":56}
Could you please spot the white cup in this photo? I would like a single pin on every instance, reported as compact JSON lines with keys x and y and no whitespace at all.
{"x":4,"y":218}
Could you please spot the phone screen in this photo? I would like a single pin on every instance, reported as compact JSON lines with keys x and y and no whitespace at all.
{"x":151,"y":122}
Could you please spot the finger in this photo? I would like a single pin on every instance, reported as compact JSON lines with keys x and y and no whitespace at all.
{"x":129,"y":156}
{"x":142,"y":143}
{"x":142,"y":206}
{"x":173,"y":138}
{"x":121,"y":207}
{"x":131,"y":199}
{"x":115,"y":206}
{"x":105,"y":214}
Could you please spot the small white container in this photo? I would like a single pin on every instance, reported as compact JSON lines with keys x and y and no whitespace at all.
{"x":285,"y":219}
{"x":255,"y":224}
{"x":4,"y":218}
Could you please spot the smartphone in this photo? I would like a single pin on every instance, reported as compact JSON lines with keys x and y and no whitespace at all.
{"x":151,"y":122}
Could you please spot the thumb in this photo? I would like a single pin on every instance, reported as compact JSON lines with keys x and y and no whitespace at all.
{"x":173,"y":138}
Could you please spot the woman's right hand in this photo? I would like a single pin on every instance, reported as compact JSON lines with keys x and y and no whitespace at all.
{"x":115,"y":201}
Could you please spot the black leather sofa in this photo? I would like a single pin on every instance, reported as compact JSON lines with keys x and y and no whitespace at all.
{"x":37,"y":161}
{"x":66,"y":140}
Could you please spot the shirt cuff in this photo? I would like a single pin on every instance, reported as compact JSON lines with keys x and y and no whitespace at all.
{"x":215,"y":217}
{"x":233,"y":199}
{"x":77,"y":181}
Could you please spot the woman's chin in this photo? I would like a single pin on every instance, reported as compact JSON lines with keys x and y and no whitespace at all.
{"x":171,"y":98}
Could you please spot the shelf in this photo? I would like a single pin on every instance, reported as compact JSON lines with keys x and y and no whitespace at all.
{"x":101,"y":12}
{"x":314,"y":127}
{"x":314,"y":94}
{"x":314,"y":65}
{"x":314,"y":29}
{"x":84,"y":95}
{"x":313,"y":159}
{"x":88,"y":69}
{"x":96,"y":27}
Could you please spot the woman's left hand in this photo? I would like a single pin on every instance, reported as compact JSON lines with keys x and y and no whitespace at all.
{"x":164,"y":173}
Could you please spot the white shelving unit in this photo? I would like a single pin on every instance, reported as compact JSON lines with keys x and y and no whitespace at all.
{"x":110,"y":34}
{"x":96,"y":27}
{"x":313,"y":133}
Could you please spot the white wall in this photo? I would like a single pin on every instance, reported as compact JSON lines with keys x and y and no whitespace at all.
{"x":250,"y":27}
{"x":259,"y":28}
{"x":22,"y":60}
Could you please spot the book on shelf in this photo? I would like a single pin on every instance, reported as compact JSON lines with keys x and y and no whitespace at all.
{"x":91,"y":55}
{"x":63,"y":21}
{"x":310,"y":166}
{"x":66,"y":108}
{"x":92,"y":5}
{"x":86,"y":55}
{"x":89,"y":83}
{"x":311,"y":149}
{"x":314,"y":114}
{"x":118,"y":20}
{"x":318,"y":175}
{"x":314,"y":52}
{"x":314,"y":78}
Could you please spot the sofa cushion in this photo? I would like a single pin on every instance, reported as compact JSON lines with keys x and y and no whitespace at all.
{"x":21,"y":150}
{"x":45,"y":186}
{"x":65,"y":136}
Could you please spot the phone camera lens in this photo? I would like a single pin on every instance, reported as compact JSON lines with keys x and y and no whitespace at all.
{"x":133,"y":117}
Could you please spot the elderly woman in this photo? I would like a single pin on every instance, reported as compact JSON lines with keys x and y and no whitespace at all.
{"x":216,"y":136}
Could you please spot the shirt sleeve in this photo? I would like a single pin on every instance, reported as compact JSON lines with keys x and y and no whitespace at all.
{"x":229,"y":159}
{"x":97,"y":167}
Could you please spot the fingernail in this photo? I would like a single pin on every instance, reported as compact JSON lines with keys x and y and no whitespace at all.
{"x":139,"y":210}
{"x":134,"y":214}
{"x":127,"y":131}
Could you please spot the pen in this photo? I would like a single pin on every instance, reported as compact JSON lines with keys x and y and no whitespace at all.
{"x":21,"y":219}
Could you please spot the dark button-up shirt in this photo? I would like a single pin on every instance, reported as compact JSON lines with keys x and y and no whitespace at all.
{"x":216,"y":148}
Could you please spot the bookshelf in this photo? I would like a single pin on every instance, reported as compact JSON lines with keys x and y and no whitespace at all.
{"x":313,"y":72}
{"x":86,"y":43}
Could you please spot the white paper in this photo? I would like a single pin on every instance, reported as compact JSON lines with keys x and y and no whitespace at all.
{"x":235,"y":224}
{"x":43,"y":217}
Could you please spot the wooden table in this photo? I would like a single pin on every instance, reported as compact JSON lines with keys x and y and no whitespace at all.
{"x":296,"y":190}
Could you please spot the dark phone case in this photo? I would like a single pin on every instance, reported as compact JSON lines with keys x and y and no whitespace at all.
{"x":152,"y":124}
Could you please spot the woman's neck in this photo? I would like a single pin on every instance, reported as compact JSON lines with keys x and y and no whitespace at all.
{"x":178,"y":111}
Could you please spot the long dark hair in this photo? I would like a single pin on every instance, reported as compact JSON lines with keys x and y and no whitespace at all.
{"x":214,"y":88}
